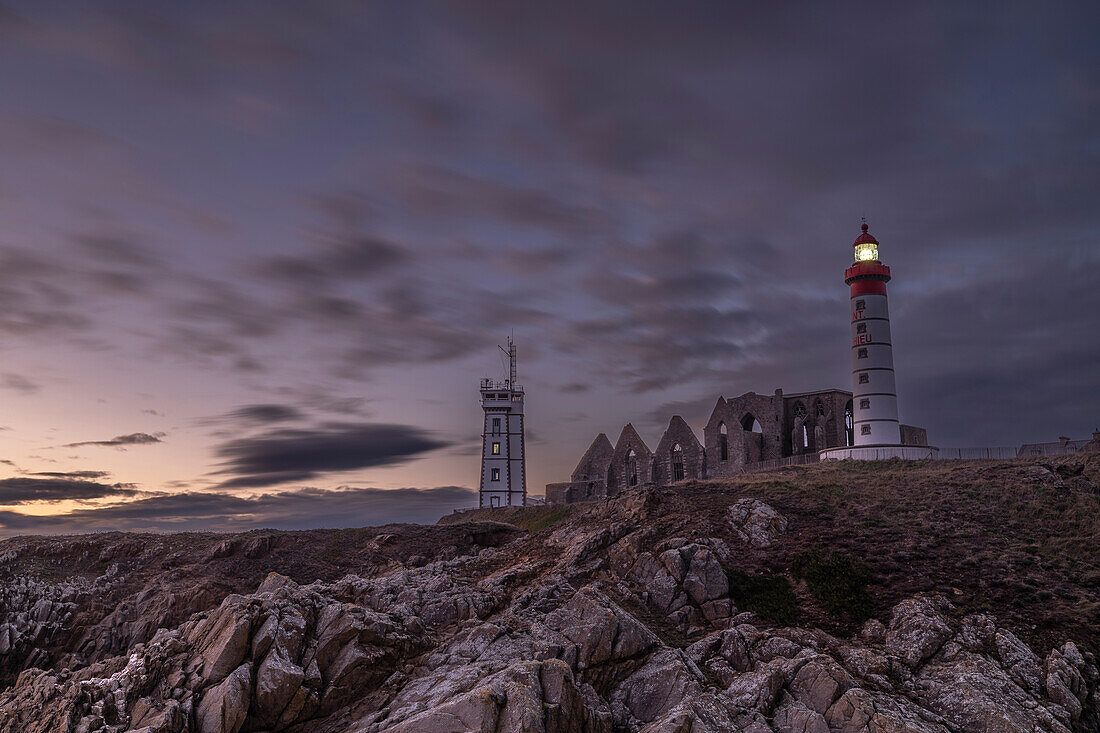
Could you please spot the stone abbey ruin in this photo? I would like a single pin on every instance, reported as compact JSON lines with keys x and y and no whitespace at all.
{"x":742,"y":432}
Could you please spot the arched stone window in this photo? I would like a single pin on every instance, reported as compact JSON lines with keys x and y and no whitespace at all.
{"x":849,"y":427}
{"x":677,"y":463}
{"x":819,"y":409}
{"x":723,"y":442}
{"x":750,"y":424}
{"x":799,"y":437}
{"x":631,"y":468}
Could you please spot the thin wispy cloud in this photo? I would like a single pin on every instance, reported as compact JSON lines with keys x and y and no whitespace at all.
{"x":121,"y":441}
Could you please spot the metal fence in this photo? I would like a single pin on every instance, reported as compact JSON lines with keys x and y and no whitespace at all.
{"x":774,"y":463}
{"x":1061,"y":448}
{"x":976,"y":454}
{"x":943,"y":454}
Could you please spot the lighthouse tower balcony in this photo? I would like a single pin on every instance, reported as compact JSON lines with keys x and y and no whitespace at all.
{"x":500,"y":393}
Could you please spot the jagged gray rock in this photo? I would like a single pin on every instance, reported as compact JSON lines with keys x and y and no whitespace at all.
{"x":635,"y":633}
{"x":756,"y":523}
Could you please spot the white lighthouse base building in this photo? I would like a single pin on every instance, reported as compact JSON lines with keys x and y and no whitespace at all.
{"x":880,"y":453}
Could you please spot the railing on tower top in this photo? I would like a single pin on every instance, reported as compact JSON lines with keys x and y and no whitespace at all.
{"x":502,"y":385}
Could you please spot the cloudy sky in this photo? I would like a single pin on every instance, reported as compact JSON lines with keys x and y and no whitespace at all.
{"x":255,"y":257}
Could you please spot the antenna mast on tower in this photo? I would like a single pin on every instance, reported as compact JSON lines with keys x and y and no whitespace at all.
{"x":511,"y":352}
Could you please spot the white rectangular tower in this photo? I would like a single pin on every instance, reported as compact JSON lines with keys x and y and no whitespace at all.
{"x":503,"y":459}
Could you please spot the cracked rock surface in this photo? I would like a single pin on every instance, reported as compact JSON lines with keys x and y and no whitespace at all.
{"x":602,"y":622}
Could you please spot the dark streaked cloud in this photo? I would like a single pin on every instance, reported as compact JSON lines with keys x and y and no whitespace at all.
{"x":18,"y":383}
{"x":283,"y":455}
{"x":121,"y":441}
{"x":340,"y":256}
{"x":451,"y":195}
{"x":73,"y":474}
{"x":266,"y":413}
{"x":306,"y":508}
{"x":23,"y":490}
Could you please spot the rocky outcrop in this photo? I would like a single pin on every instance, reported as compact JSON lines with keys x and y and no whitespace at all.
{"x":616,"y":627}
{"x":756,"y":523}
{"x":560,"y":659}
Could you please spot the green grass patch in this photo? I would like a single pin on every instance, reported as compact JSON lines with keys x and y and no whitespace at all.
{"x":836,"y":579}
{"x":544,"y":519}
{"x":768,"y":596}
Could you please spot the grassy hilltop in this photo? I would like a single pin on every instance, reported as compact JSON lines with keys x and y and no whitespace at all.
{"x":1018,"y":538}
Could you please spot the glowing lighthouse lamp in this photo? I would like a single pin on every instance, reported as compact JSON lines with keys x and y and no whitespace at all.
{"x":874,"y":393}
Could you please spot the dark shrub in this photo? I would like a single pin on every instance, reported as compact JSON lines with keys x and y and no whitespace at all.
{"x":837,"y":580}
{"x":768,"y":596}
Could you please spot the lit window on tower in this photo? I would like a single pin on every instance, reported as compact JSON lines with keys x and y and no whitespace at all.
{"x":495,"y":476}
{"x":496,"y":449}
{"x":865,"y":404}
{"x":865,"y":430}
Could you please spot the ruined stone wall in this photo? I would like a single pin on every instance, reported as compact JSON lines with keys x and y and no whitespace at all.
{"x":602,"y":471}
{"x":558,"y":493}
{"x":754,"y":444}
{"x":768,"y":411}
{"x":570,"y":492}
{"x":595,"y":461}
{"x":821,"y":413}
{"x":622,"y":468}
{"x":732,"y":460}
{"x":691,"y":453}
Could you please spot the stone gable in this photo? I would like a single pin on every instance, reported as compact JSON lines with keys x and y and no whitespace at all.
{"x":627,"y":470}
{"x":789,"y":425}
{"x":671,"y":465}
{"x":595,"y":461}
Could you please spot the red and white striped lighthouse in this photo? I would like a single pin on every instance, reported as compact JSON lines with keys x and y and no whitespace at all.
{"x":874,"y":395}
